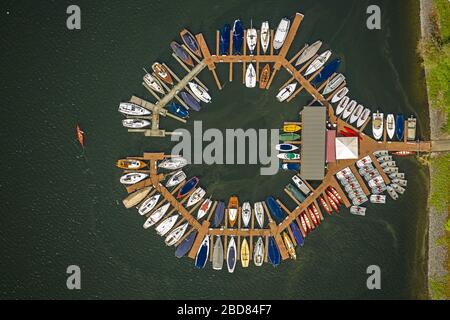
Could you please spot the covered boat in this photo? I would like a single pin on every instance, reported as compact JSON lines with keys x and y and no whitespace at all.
{"x":217,"y":259}
{"x":225,"y":39}
{"x":136,"y":197}
{"x":273,"y":252}
{"x":132,"y":178}
{"x":258,"y":252}
{"x":339,"y":95}
{"x":334,"y":83}
{"x":363,"y":118}
{"x":238,"y":36}
{"x":297,"y":233}
{"x":233,"y":207}
{"x":399,"y":126}
{"x":219,"y":214}
{"x":190,"y":42}
{"x":185,"y":246}
{"x":275,"y":208}
{"x":176,"y":179}
{"x":190,"y":101}
{"x":181,"y":53}
{"x":231,"y":255}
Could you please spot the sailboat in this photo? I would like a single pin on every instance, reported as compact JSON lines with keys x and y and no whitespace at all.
{"x":308,"y":53}
{"x":252,"y":38}
{"x":265,"y":36}
{"x":250,"y":76}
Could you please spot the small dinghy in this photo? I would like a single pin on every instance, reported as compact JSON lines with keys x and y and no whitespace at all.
{"x":202,"y":253}
{"x":166,"y":225}
{"x":258,"y":252}
{"x":318,"y":63}
{"x":349,"y":110}
{"x":135,"y":123}
{"x":246,"y":213}
{"x":265,"y":36}
{"x":190,"y":101}
{"x":148,"y":204}
{"x":217,"y":259}
{"x":400,"y":126}
{"x":288,"y":156}
{"x":132,"y":178}
{"x":176,"y":234}
{"x":173,"y":163}
{"x":363,"y":118}
{"x":200,"y":92}
{"x":231,"y":255}
{"x":195,"y":197}
{"x":259,"y":213}
{"x":185,"y":246}
{"x":250,"y":77}
{"x":327,"y":72}
{"x":356,"y":114}
{"x":339,"y":95}
{"x":153,"y":83}
{"x":156,"y":216}
{"x":132,"y":109}
{"x":286,"y":92}
{"x":308,"y":53}
{"x":285,"y":147}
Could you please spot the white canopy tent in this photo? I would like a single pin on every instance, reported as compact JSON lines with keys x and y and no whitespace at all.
{"x":346,"y":148}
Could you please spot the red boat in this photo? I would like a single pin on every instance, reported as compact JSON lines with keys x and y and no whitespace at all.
{"x":333,"y":204}
{"x":324,"y":205}
{"x":346,"y":134}
{"x":333,"y":197}
{"x":404,"y":153}
{"x":80,"y":136}
{"x":348,"y":129}
{"x":308,"y":223}
{"x":313,"y":217}
{"x":316,"y":212}
{"x":302,"y":220}
{"x":336,"y":194}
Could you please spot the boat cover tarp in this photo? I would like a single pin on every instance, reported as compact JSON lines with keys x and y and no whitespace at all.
{"x":331,"y":146}
{"x":346,"y":148}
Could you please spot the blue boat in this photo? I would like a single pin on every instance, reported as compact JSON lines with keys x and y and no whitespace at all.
{"x":186,"y":245}
{"x":273,"y":252}
{"x":190,"y":101}
{"x":188,"y":186}
{"x":225,"y":39}
{"x":219,"y":214}
{"x":290,"y":166}
{"x":327,"y":71}
{"x":399,"y":126}
{"x":178,"y":110}
{"x":275,"y":208}
{"x":297,"y":233}
{"x":202,"y":254}
{"x":238,"y":36}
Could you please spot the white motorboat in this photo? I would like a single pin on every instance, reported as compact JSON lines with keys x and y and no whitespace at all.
{"x":176,"y":179}
{"x":265,"y":36}
{"x":377,"y":125}
{"x":281,"y":33}
{"x":176,"y":234}
{"x":301,"y":185}
{"x":381,"y":153}
{"x":259,"y":213}
{"x":148,"y":204}
{"x":153,"y":83}
{"x":349,"y":110}
{"x":341,"y":93}
{"x":400,"y":182}
{"x":388,"y":164}
{"x":390,"y":125}
{"x":252,"y":38}
{"x":397,"y":175}
{"x":342,"y":105}
{"x":378,"y":198}
{"x":166,"y":225}
{"x":250,"y":76}
{"x":334,"y":83}
{"x":392,"y":192}
{"x":195,"y":197}
{"x":132,"y":109}
{"x":132,"y":178}
{"x":204,"y":208}
{"x":173,"y":163}
{"x":286,"y":92}
{"x":356,"y":114}
{"x":199,"y":92}
{"x":258,"y":252}
{"x":156,"y":216}
{"x":318,"y":62}
{"x":398,"y":188}
{"x":135,"y":123}
{"x":384,"y":158}
{"x":308,"y":53}
{"x":360,"y":211}
{"x":246,"y":213}
{"x":363,"y":118}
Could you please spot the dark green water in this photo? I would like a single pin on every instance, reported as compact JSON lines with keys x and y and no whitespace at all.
{"x":61,"y":208}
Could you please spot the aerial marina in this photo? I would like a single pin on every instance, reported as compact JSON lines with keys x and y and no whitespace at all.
{"x":354,"y":168}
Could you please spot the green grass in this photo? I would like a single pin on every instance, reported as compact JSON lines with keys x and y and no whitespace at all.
{"x":439,"y":288}
{"x":443,"y":15}
{"x":440,"y":180}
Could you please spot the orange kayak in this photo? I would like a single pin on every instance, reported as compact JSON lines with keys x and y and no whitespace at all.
{"x":80,"y":136}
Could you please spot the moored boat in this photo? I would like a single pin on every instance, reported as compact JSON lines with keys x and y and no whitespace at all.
{"x":273,"y":252}
{"x":288,"y":156}
{"x":295,"y":193}
{"x":301,"y":185}
{"x":190,"y":101}
{"x":377,"y":125}
{"x":185,"y":246}
{"x":181,"y":53}
{"x":190,"y":42}
{"x":153,"y":83}
{"x":285,"y":147}
{"x":265,"y":36}
{"x":199,"y":92}
{"x":289,"y":136}
{"x":130,"y":164}
{"x":390,"y":125}
{"x":275,"y":208}
{"x":259,"y":213}
{"x":250,"y":76}
{"x":178,"y":110}
{"x":245,"y":253}
{"x":342,"y":105}
{"x":217,"y":261}
{"x":363,"y":118}
{"x":360,"y":211}
{"x":195,"y":197}
{"x":204,"y":208}
{"x":173,"y":163}
{"x":349,"y":109}
{"x":341,"y":93}
{"x":281,"y":33}
{"x":188,"y":187}
{"x":231,"y":255}
{"x":162,"y":73}
{"x":233,"y":207}
{"x":246,"y":213}
{"x":135,"y":123}
{"x":136,"y":197}
{"x":219,"y":214}
{"x":399,"y":126}
{"x":411,"y":128}
{"x":166,"y":225}
{"x":297,"y":233}
{"x":356,"y":114}
{"x":225,"y":39}
{"x":334,"y":83}
{"x":289,"y":245}
{"x":291,"y":128}
{"x":258,"y":252}
{"x":265,"y":76}
{"x":238,"y":36}
{"x":133,"y":109}
{"x":318,"y":63}
{"x":148,"y":204}
{"x":286,"y":92}
{"x":176,"y":234}
{"x":308,"y":53}
{"x":202,"y":253}
{"x":252,"y":38}
{"x":132,"y":178}
{"x":377,"y":198}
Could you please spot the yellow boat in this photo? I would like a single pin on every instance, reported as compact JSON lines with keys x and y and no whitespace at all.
{"x":131,"y":164}
{"x":245,"y":253}
{"x":291,"y":128}
{"x":289,"y":245}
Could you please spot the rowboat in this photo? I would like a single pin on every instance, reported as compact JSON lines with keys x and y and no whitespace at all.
{"x":290,"y":128}
{"x":238,"y":36}
{"x":181,"y":53}
{"x":250,"y":76}
{"x":303,"y":223}
{"x":156,"y":216}
{"x":202,"y":253}
{"x":258,"y":252}
{"x":295,"y":193}
{"x":397,"y":175}
{"x":185,"y":245}
{"x":231,"y":255}
{"x":80,"y":135}
{"x":200,"y":92}
{"x":274,"y":208}
{"x":281,"y":33}
{"x":313,"y":217}
{"x":377,"y":198}
{"x":400,"y":182}
{"x":289,"y":136}
{"x":318,"y":63}
{"x":225,"y":39}
{"x":153,"y":83}
{"x":388,"y":164}
{"x":176,"y":234}
{"x":411,"y":126}
{"x":288,"y":156}
{"x":339,"y":95}
{"x":327,"y":71}
{"x":399,"y":126}
{"x":132,"y":178}
{"x":286,"y":92}
{"x":325,"y":205}
{"x":356,"y":114}
{"x":245,"y":253}
{"x":308,"y":223}
{"x":173,"y":163}
{"x":332,"y":197}
{"x":252,"y":38}
{"x":273,"y":252}
{"x":217,"y":260}
{"x":349,"y":109}
{"x":233,"y":206}
{"x":363,"y":118}
{"x":195,"y":197}
{"x":342,"y":105}
{"x":301,"y":185}
{"x":148,"y":204}
{"x":219,"y":214}
{"x":246,"y":213}
{"x":297,"y":233}
{"x":381,"y":153}
{"x":403,"y":153}
{"x":390,"y":125}
{"x":289,"y":246}
{"x":361,"y":211}
{"x":135,"y":123}
{"x":131,"y":164}
{"x":336,"y":194}
{"x":190,"y":42}
{"x":398,"y":188}
{"x":132,"y":109}
{"x":166,"y":225}
{"x":392,"y":192}
{"x":308,"y":53}
{"x":162,"y":73}
{"x":178,"y":110}
{"x":190,"y":101}
{"x":333,"y":204}
{"x":316,"y":212}
{"x":290,"y":166}
{"x":286,"y":147}
{"x":377,"y":125}
{"x":265,"y":76}
{"x":136,"y":197}
{"x":259,"y":213}
{"x":187,"y":187}
{"x":204,"y":208}
{"x":265,"y":36}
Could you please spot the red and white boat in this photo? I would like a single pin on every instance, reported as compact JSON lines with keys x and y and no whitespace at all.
{"x":333,"y":196}
{"x":404,"y":153}
{"x":325,"y":205}
{"x":308,"y":223}
{"x":313,"y":217}
{"x":316,"y":212}
{"x":333,"y":204}
{"x":302,"y":220}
